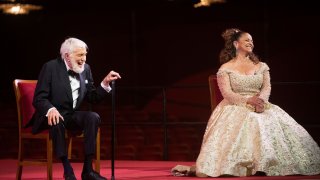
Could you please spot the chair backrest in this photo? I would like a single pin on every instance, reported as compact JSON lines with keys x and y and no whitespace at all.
{"x":215,"y":94}
{"x":24,"y":92}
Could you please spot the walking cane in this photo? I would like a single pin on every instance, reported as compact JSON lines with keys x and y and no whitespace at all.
{"x":113,"y":125}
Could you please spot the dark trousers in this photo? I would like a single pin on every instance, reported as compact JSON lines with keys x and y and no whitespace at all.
{"x":86,"y":121}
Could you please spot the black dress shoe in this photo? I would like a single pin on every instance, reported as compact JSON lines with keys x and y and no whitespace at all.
{"x":92,"y":176}
{"x":69,"y":177}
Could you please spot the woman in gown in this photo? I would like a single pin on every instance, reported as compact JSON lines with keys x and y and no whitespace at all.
{"x":246,"y":134}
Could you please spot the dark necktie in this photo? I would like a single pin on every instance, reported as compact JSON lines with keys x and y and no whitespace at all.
{"x":73,"y":74}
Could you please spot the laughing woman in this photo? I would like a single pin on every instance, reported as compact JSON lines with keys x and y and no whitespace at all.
{"x":246,"y":134}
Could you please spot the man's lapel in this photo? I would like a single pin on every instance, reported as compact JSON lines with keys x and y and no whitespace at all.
{"x":82,"y":88}
{"x":65,"y":79}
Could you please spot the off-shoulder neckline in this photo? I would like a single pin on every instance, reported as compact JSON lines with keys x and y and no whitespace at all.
{"x":237,"y":72}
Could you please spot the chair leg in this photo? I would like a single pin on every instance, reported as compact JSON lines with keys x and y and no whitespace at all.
{"x":19,"y":168}
{"x":49,"y":158}
{"x":19,"y":172}
{"x":97,"y":162}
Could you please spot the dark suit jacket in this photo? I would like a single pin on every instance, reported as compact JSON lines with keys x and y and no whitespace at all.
{"x":54,"y":90}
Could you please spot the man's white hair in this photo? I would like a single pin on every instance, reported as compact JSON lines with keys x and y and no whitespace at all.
{"x":70,"y":44}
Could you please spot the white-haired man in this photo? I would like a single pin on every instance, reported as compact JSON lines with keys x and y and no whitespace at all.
{"x":63,"y":84}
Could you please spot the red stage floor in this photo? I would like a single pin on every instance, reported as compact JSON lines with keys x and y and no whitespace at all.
{"x":124,"y":170}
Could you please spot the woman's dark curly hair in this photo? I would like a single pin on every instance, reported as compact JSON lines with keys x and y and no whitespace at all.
{"x":229,"y":51}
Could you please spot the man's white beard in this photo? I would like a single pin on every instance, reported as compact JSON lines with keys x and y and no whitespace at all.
{"x":76,"y":67}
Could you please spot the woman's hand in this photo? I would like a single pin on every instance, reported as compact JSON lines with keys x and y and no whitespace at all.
{"x":257,"y":103}
{"x":259,"y":108}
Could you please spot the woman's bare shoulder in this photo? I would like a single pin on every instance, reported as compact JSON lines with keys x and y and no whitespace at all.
{"x":227,"y":65}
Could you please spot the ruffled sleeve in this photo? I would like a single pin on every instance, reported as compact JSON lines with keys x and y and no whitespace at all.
{"x":226,"y":90}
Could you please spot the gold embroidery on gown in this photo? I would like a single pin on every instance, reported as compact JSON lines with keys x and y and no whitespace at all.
{"x":240,"y":142}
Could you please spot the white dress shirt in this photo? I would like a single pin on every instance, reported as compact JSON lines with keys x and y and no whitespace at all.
{"x":75,"y":86}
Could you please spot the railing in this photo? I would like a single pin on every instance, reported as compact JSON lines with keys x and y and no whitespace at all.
{"x":280,"y":94}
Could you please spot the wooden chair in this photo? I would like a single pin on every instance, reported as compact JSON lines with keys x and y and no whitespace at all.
{"x":24,"y":91}
{"x":215,"y":94}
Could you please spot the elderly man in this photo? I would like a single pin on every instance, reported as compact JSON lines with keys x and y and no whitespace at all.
{"x":63,"y":84}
